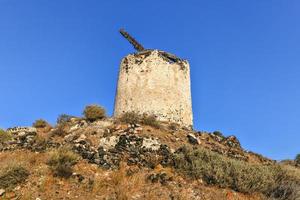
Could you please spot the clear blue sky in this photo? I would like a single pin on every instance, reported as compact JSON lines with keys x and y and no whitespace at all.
{"x":56,"y":56}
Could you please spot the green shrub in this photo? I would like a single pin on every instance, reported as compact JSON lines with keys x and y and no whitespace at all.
{"x":150,"y":120}
{"x":130,"y":117}
{"x":94,"y":112}
{"x":286,"y":189}
{"x":288,"y":184}
{"x":297,"y":160}
{"x":63,"y":118}
{"x":218,"y":133}
{"x":61,"y":162}
{"x":40,"y":123}
{"x":4,"y":136}
{"x":219,"y":170}
{"x":62,"y":124}
{"x":12,"y":175}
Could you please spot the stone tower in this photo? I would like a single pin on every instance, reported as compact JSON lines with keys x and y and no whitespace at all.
{"x":154,"y":82}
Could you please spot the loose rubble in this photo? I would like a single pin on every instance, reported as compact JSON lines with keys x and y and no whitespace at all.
{"x":107,"y":143}
{"x":2,"y":192}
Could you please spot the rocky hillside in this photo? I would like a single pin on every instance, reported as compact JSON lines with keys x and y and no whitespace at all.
{"x":134,"y":159}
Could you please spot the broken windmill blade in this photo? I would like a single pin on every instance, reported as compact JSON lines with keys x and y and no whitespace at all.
{"x":132,"y":41}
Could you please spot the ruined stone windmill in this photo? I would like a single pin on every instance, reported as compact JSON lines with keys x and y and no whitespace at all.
{"x":154,"y":82}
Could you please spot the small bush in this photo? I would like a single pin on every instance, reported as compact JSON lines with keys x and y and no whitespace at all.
{"x":60,"y":130}
{"x":40,"y":143}
{"x":130,"y":117}
{"x":225,"y":172}
{"x":150,"y":120}
{"x":173,"y":126}
{"x":61,"y":162}
{"x":288,"y":184}
{"x":40,"y":123}
{"x":218,"y":133}
{"x":63,"y":118}
{"x":12,"y":175}
{"x":4,"y":136}
{"x":285,"y":190}
{"x":94,"y":112}
{"x":297,"y":160}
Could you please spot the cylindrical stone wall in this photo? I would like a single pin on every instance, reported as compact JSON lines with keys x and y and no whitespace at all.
{"x":154,"y":83}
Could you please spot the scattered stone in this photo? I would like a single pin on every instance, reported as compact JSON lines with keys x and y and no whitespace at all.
{"x":193,"y":139}
{"x":118,"y":127}
{"x":162,"y":177}
{"x":18,"y":129}
{"x":81,"y":139}
{"x":152,"y":144}
{"x":2,"y":192}
{"x":232,"y":141}
{"x":108,"y":142}
{"x":79,"y":177}
{"x":138,"y":129}
{"x":103,"y":124}
{"x":69,"y":138}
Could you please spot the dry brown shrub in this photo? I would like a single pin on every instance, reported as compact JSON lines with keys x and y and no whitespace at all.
{"x":12,"y":173}
{"x":94,"y":112}
{"x":130,"y":118}
{"x":173,"y":126}
{"x":61,"y":162}
{"x":119,"y":185}
{"x":288,"y":184}
{"x":150,"y":120}
{"x":4,"y":136}
{"x":219,"y":170}
{"x":40,"y":123}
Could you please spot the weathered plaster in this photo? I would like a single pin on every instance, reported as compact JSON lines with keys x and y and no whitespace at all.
{"x":151,"y":83}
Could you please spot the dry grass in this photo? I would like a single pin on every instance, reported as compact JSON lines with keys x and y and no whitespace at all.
{"x":4,"y":136}
{"x":130,"y":118}
{"x":119,"y":185}
{"x":106,"y":184}
{"x":60,"y":130}
{"x":61,"y":162}
{"x":12,"y":174}
{"x":225,"y":172}
{"x":288,"y":185}
{"x":135,"y":118}
{"x":150,"y":120}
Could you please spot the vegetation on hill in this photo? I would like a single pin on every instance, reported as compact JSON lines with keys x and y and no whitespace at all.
{"x":40,"y":123}
{"x":94,"y":112}
{"x":136,"y":157}
{"x":4,"y":136}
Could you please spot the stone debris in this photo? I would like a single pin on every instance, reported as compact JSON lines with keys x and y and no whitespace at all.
{"x":26,"y":137}
{"x":70,"y":137}
{"x":102,"y":124}
{"x":152,"y":144}
{"x":108,"y":144}
{"x":21,"y":129}
{"x":2,"y":192}
{"x":193,"y":139}
{"x":232,"y":141}
{"x":81,"y":139}
{"x":162,"y":178}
